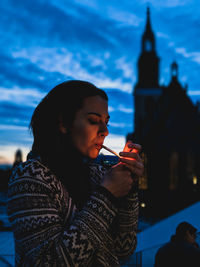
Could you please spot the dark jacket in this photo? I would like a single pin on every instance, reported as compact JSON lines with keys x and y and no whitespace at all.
{"x":177,"y":253}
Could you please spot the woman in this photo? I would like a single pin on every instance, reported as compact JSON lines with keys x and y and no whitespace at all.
{"x":65,"y":210}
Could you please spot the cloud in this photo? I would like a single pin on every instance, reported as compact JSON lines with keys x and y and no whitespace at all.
{"x":162,"y":35}
{"x":15,"y":135}
{"x":60,"y":25}
{"x":167,"y":3}
{"x":119,"y":125}
{"x":124,"y":17}
{"x":78,"y":66}
{"x":125,"y":109}
{"x":126,"y":67}
{"x":26,"y":97}
{"x":120,"y":108}
{"x":194,"y":93}
{"x":11,"y":113}
{"x":118,"y":97}
{"x":99,"y":41}
{"x":64,"y":47}
{"x":12,"y":127}
{"x":18,"y":71}
{"x":194,"y":56}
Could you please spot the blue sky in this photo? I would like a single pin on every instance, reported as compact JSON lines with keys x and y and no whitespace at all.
{"x":43,"y":43}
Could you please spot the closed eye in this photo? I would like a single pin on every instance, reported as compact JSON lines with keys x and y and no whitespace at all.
{"x":93,"y":121}
{"x":95,"y":118}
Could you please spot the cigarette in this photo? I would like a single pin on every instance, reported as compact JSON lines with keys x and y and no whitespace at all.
{"x":110,"y":150}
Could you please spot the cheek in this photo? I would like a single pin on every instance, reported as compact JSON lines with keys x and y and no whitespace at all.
{"x":82,"y":135}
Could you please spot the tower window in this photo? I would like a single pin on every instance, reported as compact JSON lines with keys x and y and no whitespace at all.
{"x":148,"y":45}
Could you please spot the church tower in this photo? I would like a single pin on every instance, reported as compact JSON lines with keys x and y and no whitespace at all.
{"x":167,"y":125}
{"x":147,"y":89}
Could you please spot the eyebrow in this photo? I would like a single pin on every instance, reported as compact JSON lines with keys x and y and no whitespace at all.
{"x":97,"y":114}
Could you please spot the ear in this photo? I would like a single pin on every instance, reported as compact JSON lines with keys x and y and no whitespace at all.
{"x":62,"y":127}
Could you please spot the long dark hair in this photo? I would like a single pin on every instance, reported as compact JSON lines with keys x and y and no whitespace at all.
{"x":54,"y":147}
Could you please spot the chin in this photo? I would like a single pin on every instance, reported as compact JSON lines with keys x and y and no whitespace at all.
{"x":93,"y":155}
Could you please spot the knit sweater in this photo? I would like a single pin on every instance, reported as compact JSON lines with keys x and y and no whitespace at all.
{"x":50,"y":231}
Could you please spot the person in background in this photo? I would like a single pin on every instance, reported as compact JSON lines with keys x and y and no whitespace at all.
{"x":182,"y":250}
{"x":66,"y":210}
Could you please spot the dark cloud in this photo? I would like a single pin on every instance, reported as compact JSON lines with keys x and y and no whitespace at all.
{"x":24,"y":74}
{"x":55,"y":26}
{"x":12,"y":114}
{"x":117,"y":97}
{"x":15,"y":137}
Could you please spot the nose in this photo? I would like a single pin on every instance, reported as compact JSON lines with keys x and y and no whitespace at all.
{"x":103,"y":130}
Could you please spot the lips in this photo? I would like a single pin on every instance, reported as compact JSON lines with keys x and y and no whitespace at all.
{"x":98,"y":146}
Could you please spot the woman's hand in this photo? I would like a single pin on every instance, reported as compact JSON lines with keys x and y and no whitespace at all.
{"x":131,"y":158}
{"x":119,"y":180}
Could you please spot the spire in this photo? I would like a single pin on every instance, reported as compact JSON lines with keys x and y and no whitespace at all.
{"x":18,"y":157}
{"x":148,"y":41}
{"x":174,"y":69}
{"x":174,"y":83}
{"x":148,"y":30}
{"x":148,"y":23}
{"x":148,"y":62}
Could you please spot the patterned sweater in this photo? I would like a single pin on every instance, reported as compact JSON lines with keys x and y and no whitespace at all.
{"x":50,"y":231}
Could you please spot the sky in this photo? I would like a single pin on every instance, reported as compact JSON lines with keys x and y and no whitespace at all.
{"x":45,"y":42}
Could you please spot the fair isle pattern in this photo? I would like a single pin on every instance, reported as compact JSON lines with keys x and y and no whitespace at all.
{"x":50,"y":231}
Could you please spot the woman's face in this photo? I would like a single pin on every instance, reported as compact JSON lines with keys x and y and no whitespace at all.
{"x":89,"y":128}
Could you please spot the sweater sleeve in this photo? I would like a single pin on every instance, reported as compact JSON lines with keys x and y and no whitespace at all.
{"x":124,"y":227}
{"x":127,"y":221}
{"x":41,"y":236}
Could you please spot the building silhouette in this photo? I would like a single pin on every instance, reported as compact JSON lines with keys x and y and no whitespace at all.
{"x":167,"y":124}
{"x":18,"y":157}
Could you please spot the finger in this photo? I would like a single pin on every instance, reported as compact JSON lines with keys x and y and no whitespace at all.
{"x":130,"y":169}
{"x":129,"y":180}
{"x":133,"y":146}
{"x":129,"y":155}
{"x":137,"y":170}
{"x":125,"y":168}
{"x":119,"y":166}
{"x":131,"y":162}
{"x":138,"y":173}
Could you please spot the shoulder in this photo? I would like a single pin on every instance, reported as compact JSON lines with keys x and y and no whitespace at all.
{"x":32,"y":177}
{"x":165,"y":248}
{"x":191,"y":249}
{"x":33,"y":170}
